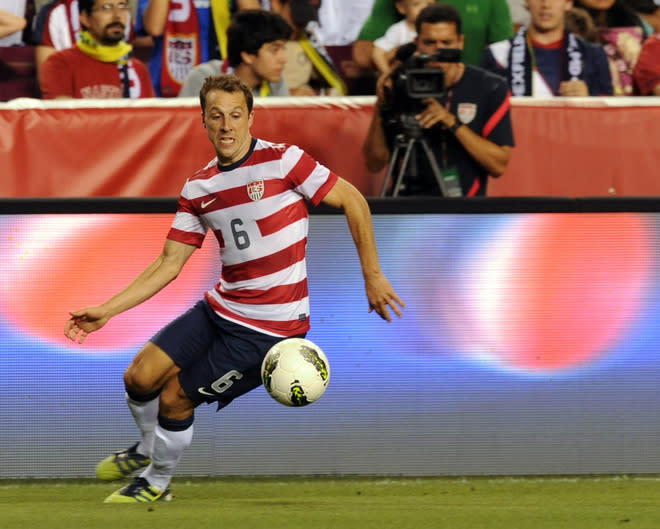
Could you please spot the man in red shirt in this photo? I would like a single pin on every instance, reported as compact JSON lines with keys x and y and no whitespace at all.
{"x":100,"y":64}
{"x":647,"y":70}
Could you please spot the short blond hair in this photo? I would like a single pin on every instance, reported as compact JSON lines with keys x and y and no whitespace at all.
{"x":225,"y":83}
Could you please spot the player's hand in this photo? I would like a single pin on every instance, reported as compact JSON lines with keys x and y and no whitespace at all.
{"x":381,"y":296}
{"x":433,"y":114}
{"x":573,"y":89}
{"x":84,"y":321}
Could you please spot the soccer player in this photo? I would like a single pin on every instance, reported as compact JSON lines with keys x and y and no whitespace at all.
{"x":253,"y":198}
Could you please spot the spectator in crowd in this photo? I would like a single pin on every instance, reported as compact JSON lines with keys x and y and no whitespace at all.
{"x":468,"y":128}
{"x":545,"y":59}
{"x":99,"y":65}
{"x":57,"y":27}
{"x":647,"y":70}
{"x":621,"y":33}
{"x":398,"y":34}
{"x":256,"y":54}
{"x":309,"y":69}
{"x":11,"y":28}
{"x":485,"y":21}
{"x":185,"y":33}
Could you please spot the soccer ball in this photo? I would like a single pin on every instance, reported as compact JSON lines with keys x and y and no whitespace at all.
{"x":295,"y":372}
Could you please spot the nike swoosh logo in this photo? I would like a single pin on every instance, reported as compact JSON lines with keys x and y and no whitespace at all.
{"x":204,"y":392}
{"x":204,"y":204}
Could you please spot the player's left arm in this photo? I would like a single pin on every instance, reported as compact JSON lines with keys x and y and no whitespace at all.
{"x":380,"y":293}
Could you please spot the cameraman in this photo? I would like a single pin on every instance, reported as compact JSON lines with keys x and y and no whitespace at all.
{"x":468,"y":129}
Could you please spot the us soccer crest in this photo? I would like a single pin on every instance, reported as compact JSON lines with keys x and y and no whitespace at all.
{"x":255,"y":189}
{"x":466,"y":112}
{"x":180,"y":56}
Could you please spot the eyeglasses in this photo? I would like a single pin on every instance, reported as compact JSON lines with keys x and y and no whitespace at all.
{"x":107,"y":8}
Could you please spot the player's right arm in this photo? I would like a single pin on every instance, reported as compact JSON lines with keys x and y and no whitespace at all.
{"x":164,"y":269}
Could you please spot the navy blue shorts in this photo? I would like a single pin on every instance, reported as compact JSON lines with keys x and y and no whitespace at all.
{"x":219,"y":359}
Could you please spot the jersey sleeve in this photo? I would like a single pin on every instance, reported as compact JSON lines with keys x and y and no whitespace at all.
{"x":187,"y":227}
{"x":310,"y":178}
{"x":498,"y":128}
{"x":388,"y":41}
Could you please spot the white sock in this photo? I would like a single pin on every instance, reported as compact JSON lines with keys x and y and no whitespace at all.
{"x":145,"y":415}
{"x":168,"y":449}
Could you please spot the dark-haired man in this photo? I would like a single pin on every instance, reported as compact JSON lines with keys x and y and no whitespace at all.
{"x":256,"y":41}
{"x":99,"y":65}
{"x":469,"y":130}
{"x":253,"y":198}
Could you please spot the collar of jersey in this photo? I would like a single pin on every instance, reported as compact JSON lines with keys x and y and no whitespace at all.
{"x":231,"y":166}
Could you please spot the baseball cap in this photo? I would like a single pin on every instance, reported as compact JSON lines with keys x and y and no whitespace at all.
{"x":304,"y":11}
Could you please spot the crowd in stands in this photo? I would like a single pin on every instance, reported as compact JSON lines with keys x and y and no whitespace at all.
{"x":309,"y":47}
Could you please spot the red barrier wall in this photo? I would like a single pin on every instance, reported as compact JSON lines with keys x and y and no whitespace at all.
{"x":576,"y":147}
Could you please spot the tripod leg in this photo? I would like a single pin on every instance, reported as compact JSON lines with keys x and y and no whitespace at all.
{"x":436,"y":169}
{"x":404,"y":165}
{"x":390,"y":170}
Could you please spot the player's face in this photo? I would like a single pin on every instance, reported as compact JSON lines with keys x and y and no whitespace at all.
{"x":548,"y":15}
{"x":227,"y":122}
{"x":435,"y":36}
{"x":108,"y":20}
{"x":268,"y":63}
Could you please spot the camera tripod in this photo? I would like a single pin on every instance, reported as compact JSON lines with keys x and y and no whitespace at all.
{"x":404,"y":144}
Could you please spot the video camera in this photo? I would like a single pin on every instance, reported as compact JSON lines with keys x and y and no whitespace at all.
{"x":414,"y":81}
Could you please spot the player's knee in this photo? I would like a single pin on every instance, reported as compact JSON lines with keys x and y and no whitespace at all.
{"x":139,"y":381}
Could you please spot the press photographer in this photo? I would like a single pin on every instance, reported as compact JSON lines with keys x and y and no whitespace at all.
{"x":433,"y":110}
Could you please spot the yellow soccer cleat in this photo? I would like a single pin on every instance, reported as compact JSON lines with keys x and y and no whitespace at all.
{"x":139,"y":491}
{"x":121,"y":464}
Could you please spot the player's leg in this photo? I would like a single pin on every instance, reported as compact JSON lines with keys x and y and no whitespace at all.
{"x":172,"y":435}
{"x":230,"y":368}
{"x":145,"y":376}
{"x":143,"y":380}
{"x":184,"y":339}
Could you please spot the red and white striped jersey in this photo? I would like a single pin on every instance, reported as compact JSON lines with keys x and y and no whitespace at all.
{"x":257,"y":210}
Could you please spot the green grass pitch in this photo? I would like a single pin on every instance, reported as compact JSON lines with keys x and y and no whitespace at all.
{"x":601,"y":502}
